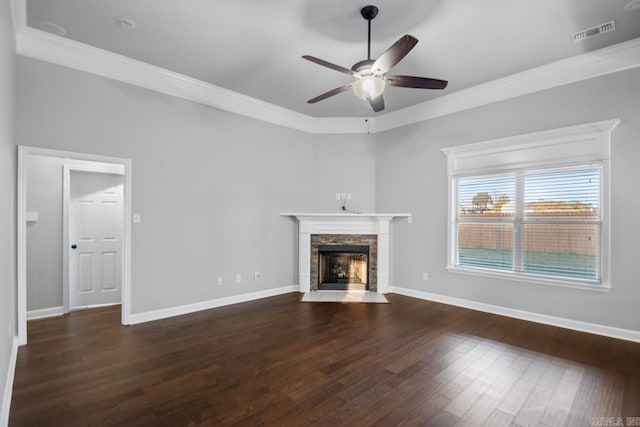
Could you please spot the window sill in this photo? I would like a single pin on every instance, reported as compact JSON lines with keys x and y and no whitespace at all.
{"x":530,"y":279}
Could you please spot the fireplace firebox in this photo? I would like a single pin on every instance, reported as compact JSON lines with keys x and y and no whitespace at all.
{"x":343,"y":267}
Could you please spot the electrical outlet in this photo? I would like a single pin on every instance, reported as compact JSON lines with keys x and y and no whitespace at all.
{"x":219,"y":280}
{"x":343,"y":196}
{"x":238,"y":278}
{"x":425,"y":276}
{"x":256,"y":275}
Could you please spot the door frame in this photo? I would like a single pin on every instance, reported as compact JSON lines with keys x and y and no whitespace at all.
{"x":92,"y":167}
{"x":23,"y":153}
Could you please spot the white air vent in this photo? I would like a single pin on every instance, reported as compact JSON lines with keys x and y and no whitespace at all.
{"x":607,"y":27}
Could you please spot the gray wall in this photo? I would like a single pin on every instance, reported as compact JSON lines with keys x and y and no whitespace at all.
{"x":44,"y":237}
{"x":411,"y":175}
{"x":343,"y":164}
{"x":7,"y":195}
{"x":209,"y":184}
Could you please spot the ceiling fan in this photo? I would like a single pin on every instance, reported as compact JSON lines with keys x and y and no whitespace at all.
{"x":370,"y":75}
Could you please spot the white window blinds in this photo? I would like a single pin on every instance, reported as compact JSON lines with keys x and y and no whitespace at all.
{"x":536,"y":222}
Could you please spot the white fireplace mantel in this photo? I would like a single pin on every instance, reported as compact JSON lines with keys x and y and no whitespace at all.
{"x":344,"y":223}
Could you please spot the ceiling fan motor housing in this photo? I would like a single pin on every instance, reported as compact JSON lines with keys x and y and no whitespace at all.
{"x":363,"y":67}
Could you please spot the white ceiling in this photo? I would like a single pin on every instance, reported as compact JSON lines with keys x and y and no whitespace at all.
{"x":254,"y":47}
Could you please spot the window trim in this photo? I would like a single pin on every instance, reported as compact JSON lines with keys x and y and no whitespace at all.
{"x":546,"y":149}
{"x":527,"y":278}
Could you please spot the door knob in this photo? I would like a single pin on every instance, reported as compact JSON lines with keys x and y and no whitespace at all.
{"x":74,"y":246}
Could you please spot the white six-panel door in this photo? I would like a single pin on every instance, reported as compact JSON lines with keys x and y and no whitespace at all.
{"x":95,"y":237}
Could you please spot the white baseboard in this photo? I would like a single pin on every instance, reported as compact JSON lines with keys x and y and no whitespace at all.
{"x":45,"y":312}
{"x":8,"y":386}
{"x":88,"y":307}
{"x":593,"y":328}
{"x":205,"y":305}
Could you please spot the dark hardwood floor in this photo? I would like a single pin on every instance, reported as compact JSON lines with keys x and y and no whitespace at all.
{"x":277,"y":362}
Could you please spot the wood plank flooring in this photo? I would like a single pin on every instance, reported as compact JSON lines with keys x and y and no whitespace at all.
{"x":278,"y":362}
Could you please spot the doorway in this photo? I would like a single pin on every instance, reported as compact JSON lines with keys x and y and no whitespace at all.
{"x":100,"y":271}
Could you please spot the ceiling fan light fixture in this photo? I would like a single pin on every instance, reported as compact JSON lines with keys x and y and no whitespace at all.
{"x":369,"y":87}
{"x":371,"y":75}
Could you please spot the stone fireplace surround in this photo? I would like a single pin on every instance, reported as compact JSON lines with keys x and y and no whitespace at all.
{"x":348,"y":224}
{"x":368,"y":240}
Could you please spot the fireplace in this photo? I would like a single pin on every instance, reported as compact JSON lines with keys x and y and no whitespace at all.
{"x":367,"y":229}
{"x":343,"y":267}
{"x":344,"y":262}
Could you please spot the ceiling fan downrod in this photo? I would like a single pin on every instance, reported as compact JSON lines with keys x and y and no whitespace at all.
{"x":369,"y":13}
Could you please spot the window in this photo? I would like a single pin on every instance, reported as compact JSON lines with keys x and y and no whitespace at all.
{"x":533,"y":207}
{"x":543,"y":222}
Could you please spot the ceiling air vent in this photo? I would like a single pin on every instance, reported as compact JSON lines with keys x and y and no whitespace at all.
{"x":594,"y":31}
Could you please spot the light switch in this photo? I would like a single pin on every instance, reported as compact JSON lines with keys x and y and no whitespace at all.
{"x":136,"y":218}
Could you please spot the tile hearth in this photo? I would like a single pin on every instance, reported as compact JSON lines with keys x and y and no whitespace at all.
{"x":344,"y":297}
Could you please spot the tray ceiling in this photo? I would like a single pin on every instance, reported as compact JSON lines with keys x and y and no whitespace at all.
{"x":254,"y":47}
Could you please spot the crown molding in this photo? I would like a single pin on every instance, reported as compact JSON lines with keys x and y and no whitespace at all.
{"x":620,"y":57}
{"x":69,"y":53}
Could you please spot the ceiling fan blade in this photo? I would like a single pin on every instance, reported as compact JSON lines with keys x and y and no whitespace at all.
{"x":394,"y":54}
{"x":330,"y":93}
{"x":416,"y":82}
{"x":330,"y":65}
{"x":377,"y":103}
